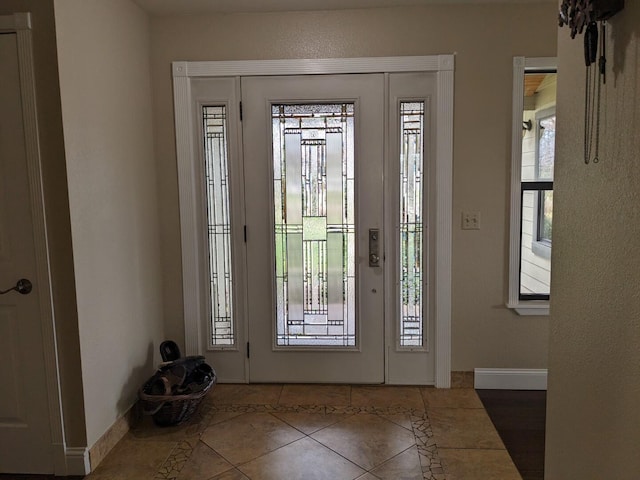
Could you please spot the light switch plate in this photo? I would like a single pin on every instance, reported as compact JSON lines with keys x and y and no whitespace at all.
{"x":471,"y":220}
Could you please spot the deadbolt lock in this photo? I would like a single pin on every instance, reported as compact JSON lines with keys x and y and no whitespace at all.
{"x":374,"y":247}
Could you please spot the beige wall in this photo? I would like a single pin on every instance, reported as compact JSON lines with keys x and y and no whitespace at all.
{"x":594,"y":376}
{"x":105,"y":83}
{"x":57,"y":211}
{"x":485,"y":333}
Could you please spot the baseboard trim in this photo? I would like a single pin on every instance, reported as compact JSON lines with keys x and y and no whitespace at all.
{"x":110,"y":438}
{"x":77,"y":459}
{"x":510,"y":379}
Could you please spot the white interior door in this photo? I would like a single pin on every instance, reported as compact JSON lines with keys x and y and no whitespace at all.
{"x":313,"y":168}
{"x":25,"y":432}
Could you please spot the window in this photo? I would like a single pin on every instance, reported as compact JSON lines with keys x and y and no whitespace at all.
{"x":314,"y":193}
{"x":545,"y":135}
{"x":533,"y":156}
{"x":412,"y":117}
{"x":537,"y":198}
{"x":216,"y":179}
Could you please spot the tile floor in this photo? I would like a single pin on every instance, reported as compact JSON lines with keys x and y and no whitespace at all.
{"x":328,"y":432}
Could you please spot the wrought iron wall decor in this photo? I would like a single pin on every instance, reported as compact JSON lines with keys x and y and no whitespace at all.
{"x":583,"y":16}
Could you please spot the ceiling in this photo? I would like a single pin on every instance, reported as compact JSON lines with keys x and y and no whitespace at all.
{"x":194,"y":7}
{"x":532,"y":82}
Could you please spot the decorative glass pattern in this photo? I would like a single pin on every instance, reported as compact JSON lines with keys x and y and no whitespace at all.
{"x":218,"y":225}
{"x":411,"y":223}
{"x":313,"y":185}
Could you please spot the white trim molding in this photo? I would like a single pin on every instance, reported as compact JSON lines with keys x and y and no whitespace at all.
{"x":531,"y":307}
{"x":191,"y":288}
{"x":20,"y":24}
{"x":510,"y":379}
{"x":443,"y":65}
{"x":316,"y":66}
{"x":77,"y":461}
{"x":444,"y":208}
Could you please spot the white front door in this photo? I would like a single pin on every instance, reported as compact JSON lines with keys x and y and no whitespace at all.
{"x":313,"y":163}
{"x":25,"y":432}
{"x":315,"y":218}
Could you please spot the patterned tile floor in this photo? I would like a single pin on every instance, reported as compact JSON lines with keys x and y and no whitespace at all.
{"x":319,"y":432}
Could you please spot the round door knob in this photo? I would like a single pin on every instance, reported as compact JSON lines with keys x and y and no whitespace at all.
{"x":373,"y":258}
{"x":24,"y":286}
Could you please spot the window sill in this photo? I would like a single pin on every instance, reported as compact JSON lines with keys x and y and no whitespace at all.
{"x":530,"y":308}
{"x":541,"y":249}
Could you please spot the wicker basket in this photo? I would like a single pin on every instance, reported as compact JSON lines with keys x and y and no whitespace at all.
{"x":168,"y":410}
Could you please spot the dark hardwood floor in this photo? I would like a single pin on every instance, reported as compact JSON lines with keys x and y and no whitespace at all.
{"x":519,"y":417}
{"x":15,"y":476}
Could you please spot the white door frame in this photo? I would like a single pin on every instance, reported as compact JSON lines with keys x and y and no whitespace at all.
{"x":443,"y":65}
{"x":67,"y":461}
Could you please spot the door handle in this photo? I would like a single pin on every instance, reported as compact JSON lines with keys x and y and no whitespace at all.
{"x":22,"y":286}
{"x":374,"y":247}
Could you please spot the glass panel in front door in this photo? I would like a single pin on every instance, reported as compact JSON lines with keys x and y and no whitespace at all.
{"x":313,"y":185}
{"x":218,"y":225}
{"x":218,"y":299}
{"x":411,"y":223}
{"x":411,"y":177}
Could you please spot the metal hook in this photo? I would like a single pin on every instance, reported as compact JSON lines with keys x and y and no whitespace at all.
{"x":22,"y":286}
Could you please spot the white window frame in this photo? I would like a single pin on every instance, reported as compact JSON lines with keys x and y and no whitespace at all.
{"x":183,"y":72}
{"x":520,"y":66}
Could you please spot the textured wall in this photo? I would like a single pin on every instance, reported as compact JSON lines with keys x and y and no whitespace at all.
{"x":105,"y":83}
{"x":594,"y":376}
{"x":485,"y":334}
